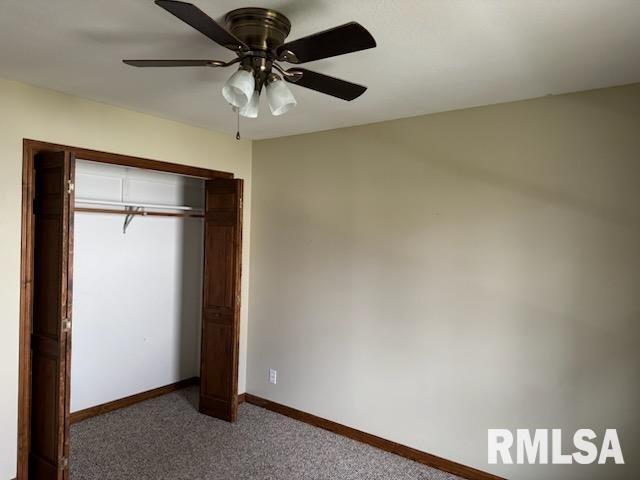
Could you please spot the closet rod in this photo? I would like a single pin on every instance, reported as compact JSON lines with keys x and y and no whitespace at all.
{"x":128,"y":204}
{"x":144,"y":213}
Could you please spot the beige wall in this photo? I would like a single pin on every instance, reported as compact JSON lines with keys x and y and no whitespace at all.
{"x":28,"y":112}
{"x":429,"y":278}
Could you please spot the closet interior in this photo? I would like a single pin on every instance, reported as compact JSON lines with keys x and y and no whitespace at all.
{"x":137,"y":281}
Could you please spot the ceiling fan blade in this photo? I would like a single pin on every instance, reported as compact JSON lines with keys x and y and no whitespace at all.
{"x":347,"y":38}
{"x":170,"y":63}
{"x":202,"y":22}
{"x":326,"y":84}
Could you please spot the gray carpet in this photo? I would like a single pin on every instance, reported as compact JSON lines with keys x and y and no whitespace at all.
{"x":166,"y":438}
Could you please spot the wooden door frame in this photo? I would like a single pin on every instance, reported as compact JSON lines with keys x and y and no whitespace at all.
{"x":30,"y":148}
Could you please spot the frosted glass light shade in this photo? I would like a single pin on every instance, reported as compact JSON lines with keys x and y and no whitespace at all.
{"x":280,"y":98}
{"x":250,"y":110}
{"x":239,"y":88}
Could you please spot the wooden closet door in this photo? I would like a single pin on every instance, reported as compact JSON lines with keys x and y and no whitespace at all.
{"x":221,"y":299}
{"x":50,"y":328}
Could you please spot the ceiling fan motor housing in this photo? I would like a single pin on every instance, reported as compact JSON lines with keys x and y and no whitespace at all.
{"x":259,"y":28}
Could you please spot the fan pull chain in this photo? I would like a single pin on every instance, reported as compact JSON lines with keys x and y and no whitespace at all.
{"x":238,"y":124}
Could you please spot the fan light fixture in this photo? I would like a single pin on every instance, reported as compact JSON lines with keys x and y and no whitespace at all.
{"x":257,"y":37}
{"x":250,"y":110}
{"x":239,"y":88}
{"x":281,"y":100}
{"x":239,"y":91}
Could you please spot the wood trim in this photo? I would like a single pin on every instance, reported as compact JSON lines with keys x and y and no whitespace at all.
{"x":378,"y":442}
{"x":26,"y":303}
{"x":129,"y":161}
{"x":80,"y":415}
{"x":70,"y":199}
{"x":242,"y":397}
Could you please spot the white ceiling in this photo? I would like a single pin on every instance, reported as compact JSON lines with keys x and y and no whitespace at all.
{"x":432,"y":55}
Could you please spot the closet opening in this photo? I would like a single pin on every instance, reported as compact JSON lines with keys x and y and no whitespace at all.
{"x":139,"y":262}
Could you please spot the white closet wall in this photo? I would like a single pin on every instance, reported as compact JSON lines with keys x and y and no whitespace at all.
{"x":136,"y":296}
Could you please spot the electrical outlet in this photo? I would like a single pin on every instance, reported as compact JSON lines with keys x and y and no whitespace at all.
{"x":273,"y":376}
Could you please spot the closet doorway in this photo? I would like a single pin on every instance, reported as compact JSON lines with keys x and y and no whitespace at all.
{"x":48,"y":206}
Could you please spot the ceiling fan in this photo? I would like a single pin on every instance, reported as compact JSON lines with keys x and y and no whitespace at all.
{"x":257,"y":36}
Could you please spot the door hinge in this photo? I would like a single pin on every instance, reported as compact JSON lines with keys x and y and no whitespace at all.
{"x":64,"y":463}
{"x":66,"y":324}
{"x":70,"y":187}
